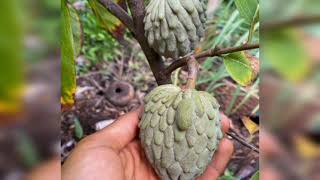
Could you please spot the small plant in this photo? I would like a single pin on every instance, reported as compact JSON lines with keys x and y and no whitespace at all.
{"x":98,"y":44}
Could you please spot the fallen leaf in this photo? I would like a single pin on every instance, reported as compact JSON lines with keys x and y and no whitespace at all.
{"x":251,"y":126}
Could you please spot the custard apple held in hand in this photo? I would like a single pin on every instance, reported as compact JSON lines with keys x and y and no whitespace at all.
{"x":180,"y":131}
{"x":174,"y":27}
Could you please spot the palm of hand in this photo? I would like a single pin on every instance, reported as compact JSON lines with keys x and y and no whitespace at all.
{"x":115,"y":153}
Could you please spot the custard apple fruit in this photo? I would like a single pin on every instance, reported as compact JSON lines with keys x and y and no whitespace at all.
{"x":174,"y":27}
{"x":180,"y":131}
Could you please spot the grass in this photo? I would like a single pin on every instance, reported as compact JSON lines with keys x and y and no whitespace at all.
{"x":226,"y":28}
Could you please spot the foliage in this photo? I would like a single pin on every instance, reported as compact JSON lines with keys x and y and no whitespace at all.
{"x":76,"y":30}
{"x":68,"y":74}
{"x":42,"y":26}
{"x":228,"y":175}
{"x":284,"y":50}
{"x":78,"y":130}
{"x":11,"y":63}
{"x":247,"y":9}
{"x":27,"y":151}
{"x":228,"y":28}
{"x":98,"y":44}
{"x":256,"y":176}
{"x":106,"y":20}
{"x":239,"y":67}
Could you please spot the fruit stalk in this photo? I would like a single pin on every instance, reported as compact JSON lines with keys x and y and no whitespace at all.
{"x":193,"y":68}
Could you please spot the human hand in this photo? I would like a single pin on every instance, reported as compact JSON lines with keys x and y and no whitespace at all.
{"x":115,"y":153}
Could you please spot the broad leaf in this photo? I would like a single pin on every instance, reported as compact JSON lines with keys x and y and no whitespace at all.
{"x":285,"y":52}
{"x":248,"y":10}
{"x":239,"y":67}
{"x":68,"y":72}
{"x":76,"y":30}
{"x":106,"y":20}
{"x":11,"y":53}
{"x":250,"y":125}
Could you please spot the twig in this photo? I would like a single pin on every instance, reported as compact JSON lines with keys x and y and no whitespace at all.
{"x":94,"y":83}
{"x":120,"y":13}
{"x":209,"y":53}
{"x":237,"y":137}
{"x":293,"y":22}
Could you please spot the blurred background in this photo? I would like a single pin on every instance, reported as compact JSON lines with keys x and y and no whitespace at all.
{"x":290,"y":89}
{"x":29,"y":85}
{"x":286,"y":95}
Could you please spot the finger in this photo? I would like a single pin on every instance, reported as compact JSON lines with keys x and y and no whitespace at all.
{"x":220,"y":160}
{"x":223,"y":155}
{"x":121,"y":132}
{"x":270,"y":173}
{"x":50,"y":169}
{"x":225,"y":123}
{"x":269,"y":144}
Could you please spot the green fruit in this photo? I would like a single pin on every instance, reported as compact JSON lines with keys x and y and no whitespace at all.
{"x":179,"y":131}
{"x":174,"y":27}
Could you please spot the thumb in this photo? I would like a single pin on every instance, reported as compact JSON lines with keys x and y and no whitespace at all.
{"x":122,"y":131}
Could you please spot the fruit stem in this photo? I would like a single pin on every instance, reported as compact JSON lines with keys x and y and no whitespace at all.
{"x":193,"y":68}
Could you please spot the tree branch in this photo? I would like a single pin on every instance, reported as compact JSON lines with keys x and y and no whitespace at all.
{"x":209,"y":53}
{"x":295,"y":21}
{"x":155,"y":60}
{"x":237,"y":137}
{"x":120,"y":13}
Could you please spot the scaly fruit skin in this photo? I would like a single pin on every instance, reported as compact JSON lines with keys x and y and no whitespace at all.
{"x":174,"y":27}
{"x":180,"y":131}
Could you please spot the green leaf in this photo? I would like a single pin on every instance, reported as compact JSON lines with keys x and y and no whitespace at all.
{"x":228,"y":175}
{"x":11,"y":54}
{"x":248,"y":10}
{"x":256,"y":176}
{"x":27,"y":150}
{"x":78,"y":131}
{"x":77,"y":32}
{"x":254,"y":21}
{"x":285,"y":52}
{"x":105,"y":19}
{"x":68,"y":69}
{"x":239,"y":67}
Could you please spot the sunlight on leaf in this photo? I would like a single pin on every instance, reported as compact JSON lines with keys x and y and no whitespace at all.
{"x":68,"y":72}
{"x":106,"y":20}
{"x":239,"y":67}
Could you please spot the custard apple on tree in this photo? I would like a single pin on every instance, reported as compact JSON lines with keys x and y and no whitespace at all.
{"x":180,"y":131}
{"x":173,"y":28}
